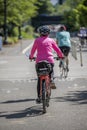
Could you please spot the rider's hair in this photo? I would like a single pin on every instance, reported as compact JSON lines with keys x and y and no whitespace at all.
{"x":43,"y":30}
{"x":62,"y":28}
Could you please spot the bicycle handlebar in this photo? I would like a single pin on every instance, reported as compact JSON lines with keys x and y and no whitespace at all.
{"x":34,"y":58}
{"x":57,"y":58}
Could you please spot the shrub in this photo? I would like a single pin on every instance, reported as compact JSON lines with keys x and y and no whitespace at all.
{"x":12,"y":40}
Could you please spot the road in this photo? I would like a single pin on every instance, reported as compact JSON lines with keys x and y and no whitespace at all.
{"x":18,"y":110}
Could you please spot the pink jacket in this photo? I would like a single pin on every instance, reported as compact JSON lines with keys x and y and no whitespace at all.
{"x":44,"y":47}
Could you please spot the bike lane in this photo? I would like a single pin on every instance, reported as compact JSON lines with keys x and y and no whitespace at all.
{"x":68,"y":105}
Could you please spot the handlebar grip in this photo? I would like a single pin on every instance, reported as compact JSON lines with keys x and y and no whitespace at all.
{"x":57,"y":58}
{"x":34,"y":58}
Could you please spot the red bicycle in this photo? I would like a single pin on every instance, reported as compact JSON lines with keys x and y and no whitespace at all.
{"x":43,"y":68}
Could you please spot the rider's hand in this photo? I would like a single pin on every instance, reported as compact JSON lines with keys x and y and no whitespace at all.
{"x":30,"y":58}
{"x":63,"y":57}
{"x":57,"y":58}
{"x":34,"y":58}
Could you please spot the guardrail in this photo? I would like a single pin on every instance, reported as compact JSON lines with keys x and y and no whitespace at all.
{"x":74,"y":51}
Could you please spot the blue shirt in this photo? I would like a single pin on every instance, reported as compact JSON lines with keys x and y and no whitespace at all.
{"x":63,"y":38}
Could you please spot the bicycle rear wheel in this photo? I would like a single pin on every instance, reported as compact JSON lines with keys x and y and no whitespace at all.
{"x":65,"y":73}
{"x":44,"y":95}
{"x":48,"y":94}
{"x":61,"y":72}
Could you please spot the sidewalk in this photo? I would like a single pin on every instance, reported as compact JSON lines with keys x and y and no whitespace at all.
{"x":10,"y":49}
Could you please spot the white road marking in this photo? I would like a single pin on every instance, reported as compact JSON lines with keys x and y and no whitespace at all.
{"x":24,"y":51}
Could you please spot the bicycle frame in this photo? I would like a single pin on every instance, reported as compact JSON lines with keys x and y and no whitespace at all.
{"x":43,"y":69}
{"x":47,"y":81}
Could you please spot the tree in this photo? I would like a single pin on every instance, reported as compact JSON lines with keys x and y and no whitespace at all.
{"x":71,"y":20}
{"x":21,"y":11}
{"x":44,"y":7}
{"x":74,"y":12}
{"x":18,"y":11}
{"x":82,"y":9}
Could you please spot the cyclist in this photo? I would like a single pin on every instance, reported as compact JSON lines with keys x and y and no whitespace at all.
{"x":64,"y":43}
{"x":44,"y":47}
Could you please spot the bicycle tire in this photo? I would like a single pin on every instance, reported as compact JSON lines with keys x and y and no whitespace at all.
{"x":65,"y":73}
{"x":48,"y":94}
{"x":44,"y":95}
{"x":62,"y":72}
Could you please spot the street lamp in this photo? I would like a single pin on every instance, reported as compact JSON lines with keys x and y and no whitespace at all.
{"x":5,"y":21}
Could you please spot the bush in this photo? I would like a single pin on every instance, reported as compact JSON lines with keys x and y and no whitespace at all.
{"x":12,"y":31}
{"x":12,"y":40}
{"x":28,"y":32}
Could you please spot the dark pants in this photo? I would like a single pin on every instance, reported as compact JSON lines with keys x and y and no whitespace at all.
{"x":51,"y":74}
{"x":65,"y":50}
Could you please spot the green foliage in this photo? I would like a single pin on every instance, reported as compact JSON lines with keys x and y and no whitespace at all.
{"x":28,"y":29}
{"x":44,"y":7}
{"x":60,"y":9}
{"x":74,"y":12}
{"x":82,"y":15}
{"x":18,"y":11}
{"x":28,"y":32}
{"x":71,"y":20}
{"x":12,"y":30}
{"x":12,"y":40}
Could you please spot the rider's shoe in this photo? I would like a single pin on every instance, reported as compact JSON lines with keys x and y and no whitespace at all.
{"x":52,"y":85}
{"x":38,"y":100}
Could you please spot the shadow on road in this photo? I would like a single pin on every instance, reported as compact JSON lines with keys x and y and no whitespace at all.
{"x":28,"y":112}
{"x":17,"y":101}
{"x":77,"y":98}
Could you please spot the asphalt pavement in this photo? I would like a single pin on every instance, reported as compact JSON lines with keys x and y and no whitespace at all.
{"x":18,"y":109}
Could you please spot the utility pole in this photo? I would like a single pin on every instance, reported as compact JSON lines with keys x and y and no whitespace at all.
{"x":5,"y":21}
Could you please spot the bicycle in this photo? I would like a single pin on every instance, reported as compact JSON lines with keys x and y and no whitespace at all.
{"x":63,"y":67}
{"x":43,"y":68}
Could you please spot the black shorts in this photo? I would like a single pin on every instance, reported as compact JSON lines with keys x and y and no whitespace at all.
{"x":65,"y":50}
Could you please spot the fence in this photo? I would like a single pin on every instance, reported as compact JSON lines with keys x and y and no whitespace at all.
{"x":74,"y":51}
